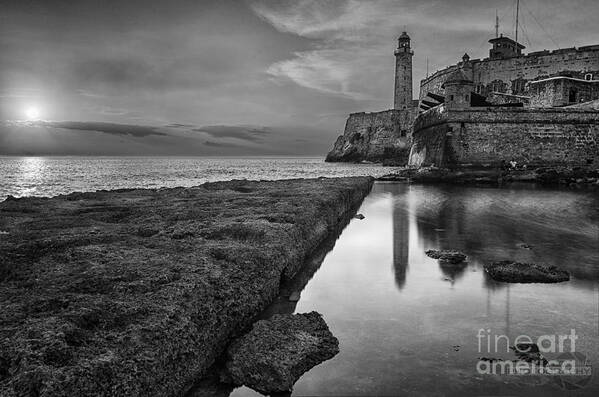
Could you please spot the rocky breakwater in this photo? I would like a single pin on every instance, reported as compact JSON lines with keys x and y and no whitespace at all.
{"x":136,"y":292}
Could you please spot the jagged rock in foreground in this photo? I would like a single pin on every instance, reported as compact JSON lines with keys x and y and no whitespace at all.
{"x":276,"y":352}
{"x":516,"y":272}
{"x":136,"y":292}
{"x":447,"y":256}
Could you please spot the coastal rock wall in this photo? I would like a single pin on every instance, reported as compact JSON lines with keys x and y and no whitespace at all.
{"x":136,"y":292}
{"x":492,"y":136}
{"x":375,"y":137}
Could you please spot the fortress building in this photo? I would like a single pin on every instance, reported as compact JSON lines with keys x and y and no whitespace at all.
{"x":538,"y":108}
{"x":508,"y":71}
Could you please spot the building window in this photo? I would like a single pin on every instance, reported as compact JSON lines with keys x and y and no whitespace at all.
{"x":467,"y":97}
{"x":518,"y":86}
{"x":572,"y":95}
{"x":451,"y":97}
{"x":588,"y":76}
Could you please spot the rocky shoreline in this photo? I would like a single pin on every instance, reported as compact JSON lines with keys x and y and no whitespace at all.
{"x":137,"y":292}
{"x":498,"y":176}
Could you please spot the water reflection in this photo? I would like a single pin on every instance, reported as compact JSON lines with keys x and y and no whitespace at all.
{"x":30,"y":174}
{"x":401,"y":232}
{"x":399,"y":314}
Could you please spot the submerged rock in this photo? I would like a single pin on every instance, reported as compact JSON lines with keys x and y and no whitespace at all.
{"x":276,"y":352}
{"x":447,"y":256}
{"x":530,"y":353}
{"x":516,"y":272}
{"x":525,"y":246}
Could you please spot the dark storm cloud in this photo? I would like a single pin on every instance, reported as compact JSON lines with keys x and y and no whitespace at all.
{"x":107,"y":128}
{"x":247,"y":133}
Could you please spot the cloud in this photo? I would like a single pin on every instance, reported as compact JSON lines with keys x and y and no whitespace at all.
{"x":352,"y":44}
{"x":326,"y":70}
{"x":246,"y":133}
{"x":221,"y":144}
{"x":179,"y":125}
{"x":107,"y":128}
{"x":19,"y":93}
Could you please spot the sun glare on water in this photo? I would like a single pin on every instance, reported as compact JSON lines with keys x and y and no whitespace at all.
{"x":32,"y":113}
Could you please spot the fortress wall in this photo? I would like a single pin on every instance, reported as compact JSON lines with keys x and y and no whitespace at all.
{"x":503,"y":72}
{"x":556,"y":92}
{"x":493,"y":136}
{"x":434,"y":82}
{"x":531,"y":67}
{"x":374,"y":136}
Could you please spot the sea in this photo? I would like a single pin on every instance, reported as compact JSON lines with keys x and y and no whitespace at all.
{"x":50,"y":176}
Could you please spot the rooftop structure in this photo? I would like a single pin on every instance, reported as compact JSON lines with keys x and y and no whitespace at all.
{"x":504,"y":47}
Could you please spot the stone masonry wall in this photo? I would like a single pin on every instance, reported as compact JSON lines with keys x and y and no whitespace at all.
{"x":492,"y":136}
{"x":557,"y":92}
{"x":511,"y":75}
{"x":374,"y":137}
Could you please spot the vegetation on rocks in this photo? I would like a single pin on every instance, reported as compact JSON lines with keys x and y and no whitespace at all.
{"x":516,"y":272}
{"x":276,"y":352}
{"x":447,"y":256}
{"x":136,"y":292}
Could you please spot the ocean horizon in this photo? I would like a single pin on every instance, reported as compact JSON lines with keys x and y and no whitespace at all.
{"x":48,"y":176}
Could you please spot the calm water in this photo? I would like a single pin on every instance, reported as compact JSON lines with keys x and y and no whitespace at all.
{"x":408,"y":326}
{"x":49,"y":176}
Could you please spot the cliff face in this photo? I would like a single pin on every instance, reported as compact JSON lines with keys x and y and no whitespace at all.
{"x":376,"y":137}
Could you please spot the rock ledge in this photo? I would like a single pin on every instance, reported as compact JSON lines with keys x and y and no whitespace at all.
{"x":276,"y":352}
{"x":516,"y":272}
{"x":447,"y":256}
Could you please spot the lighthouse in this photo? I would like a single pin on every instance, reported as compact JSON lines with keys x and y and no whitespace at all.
{"x":403,"y":73}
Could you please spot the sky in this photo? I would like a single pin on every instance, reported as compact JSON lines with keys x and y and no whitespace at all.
{"x":224,"y":77}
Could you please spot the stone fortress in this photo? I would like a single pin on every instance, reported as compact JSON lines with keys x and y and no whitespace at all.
{"x":537,"y":108}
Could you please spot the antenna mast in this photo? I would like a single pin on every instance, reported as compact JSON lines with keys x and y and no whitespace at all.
{"x":496,"y":24}
{"x":517,"y":13}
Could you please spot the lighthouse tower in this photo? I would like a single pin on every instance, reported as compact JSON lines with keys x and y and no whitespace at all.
{"x":403,"y":73}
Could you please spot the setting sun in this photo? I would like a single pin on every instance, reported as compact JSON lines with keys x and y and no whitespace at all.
{"x":32,"y":113}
